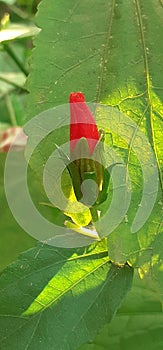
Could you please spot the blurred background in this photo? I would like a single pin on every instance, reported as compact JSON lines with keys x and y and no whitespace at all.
{"x":17,"y":30}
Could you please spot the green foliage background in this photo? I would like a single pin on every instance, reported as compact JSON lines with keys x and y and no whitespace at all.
{"x":60,"y":298}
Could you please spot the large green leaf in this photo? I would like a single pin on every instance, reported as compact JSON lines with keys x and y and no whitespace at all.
{"x":50,"y":297}
{"x":110,"y":50}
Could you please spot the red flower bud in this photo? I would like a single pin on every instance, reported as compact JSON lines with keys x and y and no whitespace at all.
{"x":82,"y":123}
{"x":86,"y":145}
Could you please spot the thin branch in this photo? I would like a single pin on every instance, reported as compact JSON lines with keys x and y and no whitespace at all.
{"x":10,"y":110}
{"x":11,"y":53}
{"x":12,"y":83}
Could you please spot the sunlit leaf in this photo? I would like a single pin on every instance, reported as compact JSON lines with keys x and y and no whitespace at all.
{"x":48,"y":290}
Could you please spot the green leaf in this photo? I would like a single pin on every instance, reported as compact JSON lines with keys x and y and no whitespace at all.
{"x":49,"y":290}
{"x":138,"y":323}
{"x":96,"y":48}
{"x":110,"y":51}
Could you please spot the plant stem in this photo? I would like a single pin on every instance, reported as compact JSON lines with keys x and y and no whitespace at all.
{"x":11,"y":53}
{"x":19,"y":12}
{"x":94,"y":214}
{"x":10,"y":110}
{"x":12,"y":83}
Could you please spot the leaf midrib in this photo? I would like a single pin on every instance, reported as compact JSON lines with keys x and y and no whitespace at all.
{"x":103,"y":57}
{"x":151,"y":133}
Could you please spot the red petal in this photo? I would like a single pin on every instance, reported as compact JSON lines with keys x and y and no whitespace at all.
{"x":82,"y":122}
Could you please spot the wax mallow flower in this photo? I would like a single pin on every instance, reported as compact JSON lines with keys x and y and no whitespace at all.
{"x":86,"y":148}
